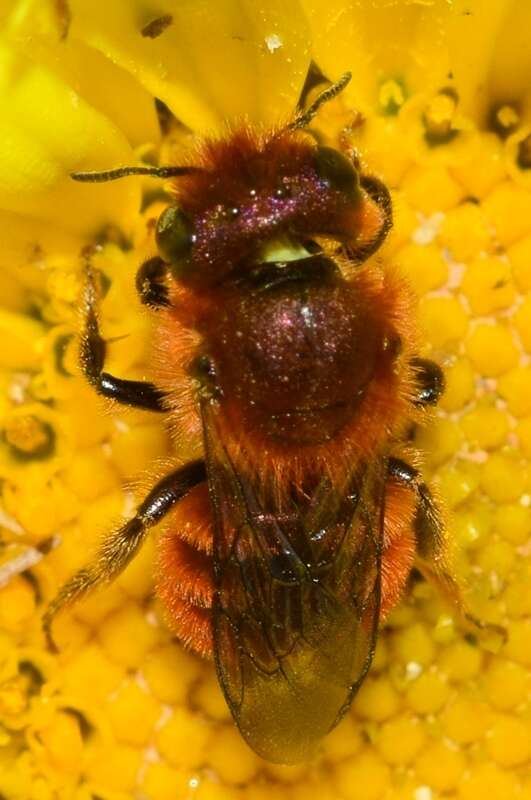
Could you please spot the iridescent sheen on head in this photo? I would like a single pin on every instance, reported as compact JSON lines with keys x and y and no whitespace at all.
{"x":254,"y":189}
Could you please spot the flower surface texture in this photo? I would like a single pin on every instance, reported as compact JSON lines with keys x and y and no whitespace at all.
{"x":439,"y":108}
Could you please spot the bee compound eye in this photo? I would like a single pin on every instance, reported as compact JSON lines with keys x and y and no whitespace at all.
{"x":338,"y":171}
{"x":174,"y":237}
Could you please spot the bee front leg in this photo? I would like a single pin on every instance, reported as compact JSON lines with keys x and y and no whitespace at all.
{"x":117,"y":549}
{"x":139,"y":394}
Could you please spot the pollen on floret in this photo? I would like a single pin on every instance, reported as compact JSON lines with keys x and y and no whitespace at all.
{"x":345,"y":740}
{"x":492,"y":350}
{"x":160,"y":667}
{"x":424,"y":267}
{"x":232,"y":759}
{"x":207,"y":695}
{"x":508,"y":209}
{"x":114,"y":768}
{"x":127,"y":636}
{"x":487,"y":285}
{"x":508,"y":741}
{"x":506,"y":683}
{"x":472,"y":525}
{"x":162,"y":782}
{"x":63,"y":743}
{"x":497,"y":557}
{"x":464,"y":231}
{"x":460,"y":661}
{"x":443,"y":321}
{"x":518,"y":646}
{"x":504,"y":477}
{"x":133,"y":713}
{"x":486,"y":426}
{"x":515,"y":388}
{"x":441,"y":766}
{"x":519,"y":256}
{"x":522,"y":323}
{"x":458,"y":481}
{"x":414,"y":644}
{"x":441,"y":441}
{"x":486,"y":779}
{"x":431,"y":188}
{"x":377,"y":699}
{"x":428,"y":693}
{"x":517,"y":596}
{"x":183,"y":739}
{"x":464,"y":719}
{"x":513,"y":522}
{"x":400,"y":739}
{"x":17,"y":605}
{"x":483,"y":169}
{"x":523,"y":431}
{"x":366,"y":769}
{"x":459,"y":389}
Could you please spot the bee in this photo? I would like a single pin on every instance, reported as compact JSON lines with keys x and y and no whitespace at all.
{"x":287,"y":363}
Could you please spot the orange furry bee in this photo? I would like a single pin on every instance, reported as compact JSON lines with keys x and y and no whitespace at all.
{"x":289,"y":365}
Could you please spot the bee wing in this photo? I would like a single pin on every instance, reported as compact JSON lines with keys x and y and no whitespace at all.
{"x":296,"y":603}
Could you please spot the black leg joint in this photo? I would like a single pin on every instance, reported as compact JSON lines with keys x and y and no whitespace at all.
{"x":170,"y":489}
{"x":150,"y":283}
{"x":131,"y":393}
{"x":402,"y":471}
{"x":430,"y":381}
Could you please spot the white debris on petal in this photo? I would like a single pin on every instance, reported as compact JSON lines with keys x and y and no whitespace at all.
{"x":428,"y":229}
{"x":273,"y":42}
{"x":413,"y":670}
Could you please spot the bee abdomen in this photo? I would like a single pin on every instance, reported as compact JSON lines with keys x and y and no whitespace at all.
{"x":185,"y":573}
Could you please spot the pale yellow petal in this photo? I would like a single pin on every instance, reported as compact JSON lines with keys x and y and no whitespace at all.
{"x":47,"y":130}
{"x":214,"y":61}
{"x":422,"y":45}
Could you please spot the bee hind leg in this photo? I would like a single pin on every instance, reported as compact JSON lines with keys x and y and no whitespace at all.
{"x":117,"y":549}
{"x":139,"y":394}
{"x":431,"y":547}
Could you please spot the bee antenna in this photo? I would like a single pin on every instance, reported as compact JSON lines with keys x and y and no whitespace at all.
{"x":305,"y":117}
{"x":122,"y":172}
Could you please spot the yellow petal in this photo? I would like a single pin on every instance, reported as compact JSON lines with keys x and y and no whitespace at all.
{"x":422,"y":45}
{"x":47,"y":130}
{"x":214,"y":62}
{"x":28,"y":245}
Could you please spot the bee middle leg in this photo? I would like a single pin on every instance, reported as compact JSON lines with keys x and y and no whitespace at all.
{"x":139,"y":394}
{"x":117,"y":549}
{"x":430,"y":381}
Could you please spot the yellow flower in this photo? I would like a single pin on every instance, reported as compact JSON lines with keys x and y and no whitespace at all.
{"x":439,"y":108}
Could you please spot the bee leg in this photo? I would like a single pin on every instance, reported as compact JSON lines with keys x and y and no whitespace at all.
{"x":398,"y":552}
{"x":132,"y":393}
{"x":430,"y":381}
{"x":117,"y":549}
{"x":432,"y":547}
{"x":150,"y":283}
